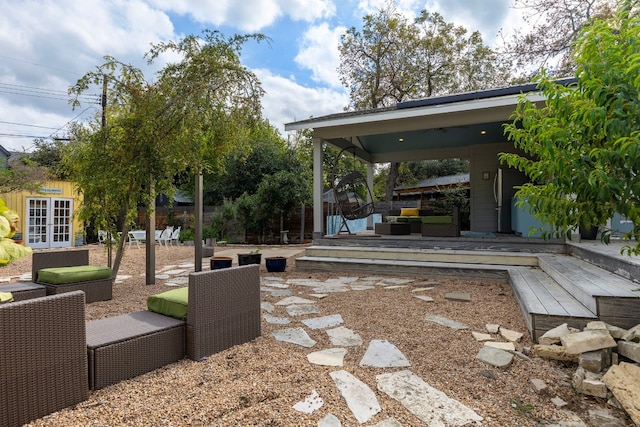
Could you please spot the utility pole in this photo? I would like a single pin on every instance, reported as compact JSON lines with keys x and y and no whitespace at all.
{"x":103,"y":103}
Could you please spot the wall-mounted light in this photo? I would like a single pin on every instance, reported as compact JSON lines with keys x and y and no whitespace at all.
{"x":400,"y":139}
{"x":483,"y":132}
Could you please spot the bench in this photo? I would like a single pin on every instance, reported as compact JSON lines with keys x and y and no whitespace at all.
{"x":44,"y":357}
{"x":442,"y":226}
{"x":95,"y":290}
{"x":223,"y":310}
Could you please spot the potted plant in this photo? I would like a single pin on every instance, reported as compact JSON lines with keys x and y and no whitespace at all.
{"x":186,"y":236}
{"x":218,"y":262}
{"x":276,"y":264}
{"x":253,"y":257}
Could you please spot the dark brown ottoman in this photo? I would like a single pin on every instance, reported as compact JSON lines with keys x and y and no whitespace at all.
{"x":129,"y":345}
{"x":393,"y":228}
{"x":24,"y":290}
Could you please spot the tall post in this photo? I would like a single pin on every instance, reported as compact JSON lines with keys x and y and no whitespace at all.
{"x":150,"y":247}
{"x":198,"y":223}
{"x":103,"y":124}
{"x":369,"y":199}
{"x":318,"y":207}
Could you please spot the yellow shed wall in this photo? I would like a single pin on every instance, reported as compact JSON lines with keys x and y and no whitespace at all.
{"x":51,"y":189}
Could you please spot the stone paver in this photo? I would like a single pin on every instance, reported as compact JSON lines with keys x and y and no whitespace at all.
{"x":360,"y":399}
{"x":328,"y":357}
{"x":310,"y":404}
{"x":324,"y":322}
{"x":302,"y":309}
{"x":276,"y":320}
{"x":344,"y":337}
{"x":383,"y":354}
{"x":424,"y":298}
{"x":444,"y":321}
{"x":294,"y":301}
{"x":432,"y":406}
{"x":294,"y":336}
{"x":330,"y":421}
{"x":495,"y":357}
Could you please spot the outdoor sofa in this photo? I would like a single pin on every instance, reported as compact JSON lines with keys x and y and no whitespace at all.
{"x":44,"y":357}
{"x":223,"y":310}
{"x":69,"y":270}
{"x":414,"y":220}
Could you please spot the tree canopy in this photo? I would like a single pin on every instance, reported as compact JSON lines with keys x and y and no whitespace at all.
{"x":582,"y":149}
{"x":391,"y":60}
{"x":547,"y":42}
{"x":198,"y":107}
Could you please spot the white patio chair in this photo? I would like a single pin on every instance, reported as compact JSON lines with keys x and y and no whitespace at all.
{"x":175,"y":236}
{"x":165,"y":237}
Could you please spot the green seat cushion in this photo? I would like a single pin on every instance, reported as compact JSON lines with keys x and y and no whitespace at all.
{"x":409,"y":219}
{"x":6,"y":297}
{"x":78,"y":273}
{"x":437,"y":219}
{"x":172,"y":303}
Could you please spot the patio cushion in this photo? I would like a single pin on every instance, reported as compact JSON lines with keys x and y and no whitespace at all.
{"x":437,"y":219}
{"x":409,"y":219}
{"x":409,"y":212}
{"x":171,"y":303}
{"x":6,"y":297}
{"x":78,"y":273}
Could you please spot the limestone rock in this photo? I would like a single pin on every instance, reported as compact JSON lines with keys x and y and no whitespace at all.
{"x":479,"y":336}
{"x":495,"y":357}
{"x":509,"y":335}
{"x":582,"y":342}
{"x":596,"y":361}
{"x":624,"y":382}
{"x":596,"y":325}
{"x":458,"y":296}
{"x":558,"y":402}
{"x":616,"y":332}
{"x":554,"y":352}
{"x":506,"y":346}
{"x":539,"y":385}
{"x":552,"y":336}
{"x":328,"y":357}
{"x":360,"y":399}
{"x":632,"y":334}
{"x":630,"y":350}
{"x":492,"y":328}
{"x":589,"y":383}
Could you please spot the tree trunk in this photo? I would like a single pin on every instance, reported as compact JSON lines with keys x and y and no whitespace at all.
{"x":391,"y":181}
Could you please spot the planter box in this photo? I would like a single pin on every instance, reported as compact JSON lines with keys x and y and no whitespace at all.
{"x":275,"y":264}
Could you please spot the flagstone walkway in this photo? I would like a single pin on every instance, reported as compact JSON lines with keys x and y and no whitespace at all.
{"x":428,"y":404}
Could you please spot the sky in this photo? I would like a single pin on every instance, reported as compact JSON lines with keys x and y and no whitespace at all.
{"x":47,"y":45}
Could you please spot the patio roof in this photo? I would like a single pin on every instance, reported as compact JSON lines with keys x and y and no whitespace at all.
{"x":437,"y":127}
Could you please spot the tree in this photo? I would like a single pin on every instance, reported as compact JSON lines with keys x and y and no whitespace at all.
{"x":49,"y":153}
{"x":198,"y":108}
{"x":553,"y":27}
{"x":582,"y":149}
{"x":392,"y":60}
{"x":22,"y":173}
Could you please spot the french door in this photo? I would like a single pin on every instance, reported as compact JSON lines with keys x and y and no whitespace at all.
{"x":49,"y":222}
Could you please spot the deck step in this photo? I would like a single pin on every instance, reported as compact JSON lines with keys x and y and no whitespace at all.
{"x":545,"y":304}
{"x":614,"y":299}
{"x":425,"y":255}
{"x":402,"y":267}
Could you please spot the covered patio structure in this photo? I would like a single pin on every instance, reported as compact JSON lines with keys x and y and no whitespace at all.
{"x":467,"y":126}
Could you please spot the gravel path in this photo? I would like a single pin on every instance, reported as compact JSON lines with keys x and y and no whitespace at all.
{"x":257,"y":384}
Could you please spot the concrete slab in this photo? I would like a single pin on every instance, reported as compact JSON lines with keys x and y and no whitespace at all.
{"x":383,"y":354}
{"x":429,"y":404}
{"x":360,"y":399}
{"x":296,"y":336}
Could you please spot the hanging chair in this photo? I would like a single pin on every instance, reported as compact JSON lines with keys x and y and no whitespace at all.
{"x":348,"y":191}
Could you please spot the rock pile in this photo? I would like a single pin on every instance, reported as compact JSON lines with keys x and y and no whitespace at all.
{"x":608,"y":360}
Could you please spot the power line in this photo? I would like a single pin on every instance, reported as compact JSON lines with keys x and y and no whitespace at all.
{"x":26,"y":125}
{"x":45,"y":93}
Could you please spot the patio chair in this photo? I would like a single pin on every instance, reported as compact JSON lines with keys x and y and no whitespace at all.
{"x":175,"y":236}
{"x":165,"y":236}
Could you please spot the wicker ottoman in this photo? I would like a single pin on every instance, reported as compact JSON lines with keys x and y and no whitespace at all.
{"x":24,"y":290}
{"x":393,"y":228}
{"x":129,"y":345}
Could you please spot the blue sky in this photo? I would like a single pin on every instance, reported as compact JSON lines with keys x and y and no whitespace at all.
{"x":46,"y":45}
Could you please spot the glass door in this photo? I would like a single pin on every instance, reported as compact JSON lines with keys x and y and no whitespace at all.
{"x":49,"y":223}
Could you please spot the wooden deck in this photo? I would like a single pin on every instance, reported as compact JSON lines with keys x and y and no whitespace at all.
{"x":553,"y":282}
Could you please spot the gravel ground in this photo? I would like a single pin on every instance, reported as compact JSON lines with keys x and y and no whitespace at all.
{"x":256,"y":384}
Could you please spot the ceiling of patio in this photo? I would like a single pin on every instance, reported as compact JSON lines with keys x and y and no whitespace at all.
{"x":439,"y":127}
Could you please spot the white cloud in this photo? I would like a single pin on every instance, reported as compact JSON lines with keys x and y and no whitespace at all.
{"x":248,"y":15}
{"x":319,"y":53}
{"x":286,"y":101}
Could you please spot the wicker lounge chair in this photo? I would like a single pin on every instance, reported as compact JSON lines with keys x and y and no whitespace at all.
{"x":223,"y":310}
{"x":44,"y":357}
{"x":95,"y":290}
